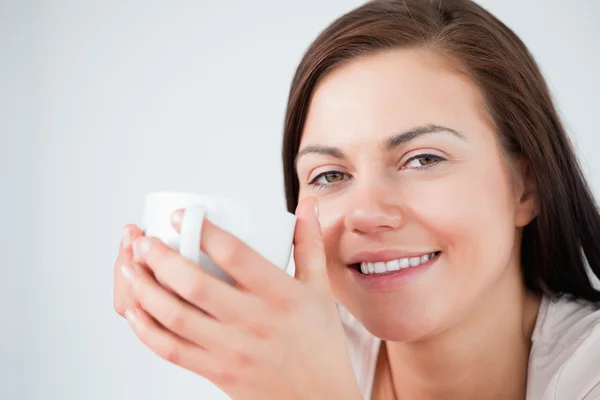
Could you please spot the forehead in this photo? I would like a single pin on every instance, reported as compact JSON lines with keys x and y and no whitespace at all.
{"x":379,"y":94}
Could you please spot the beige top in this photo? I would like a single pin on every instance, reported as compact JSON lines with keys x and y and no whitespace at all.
{"x":565,"y":354}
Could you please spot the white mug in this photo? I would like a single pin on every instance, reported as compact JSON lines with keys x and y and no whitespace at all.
{"x":270,"y":232}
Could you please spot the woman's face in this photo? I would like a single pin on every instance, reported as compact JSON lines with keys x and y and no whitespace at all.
{"x":410,"y":180}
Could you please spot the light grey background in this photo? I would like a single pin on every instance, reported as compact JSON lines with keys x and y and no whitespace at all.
{"x":103,"y":101}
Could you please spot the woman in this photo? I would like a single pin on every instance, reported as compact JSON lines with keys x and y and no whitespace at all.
{"x":453,"y":239}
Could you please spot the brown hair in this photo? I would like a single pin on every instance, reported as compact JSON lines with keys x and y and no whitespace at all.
{"x":557,"y":243}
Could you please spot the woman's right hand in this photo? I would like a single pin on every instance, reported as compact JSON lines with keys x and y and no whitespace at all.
{"x":123,"y":297}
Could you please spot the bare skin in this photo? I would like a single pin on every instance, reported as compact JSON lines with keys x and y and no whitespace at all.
{"x":460,"y":329}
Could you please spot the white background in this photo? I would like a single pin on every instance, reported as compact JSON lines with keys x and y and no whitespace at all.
{"x":103,"y":101}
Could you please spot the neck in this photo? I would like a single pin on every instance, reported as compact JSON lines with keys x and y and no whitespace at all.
{"x":483,"y":357}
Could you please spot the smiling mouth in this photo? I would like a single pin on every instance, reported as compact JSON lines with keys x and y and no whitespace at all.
{"x":380,"y":268}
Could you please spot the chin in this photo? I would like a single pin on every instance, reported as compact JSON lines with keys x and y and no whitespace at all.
{"x":408,"y":313}
{"x":400,"y":328}
{"x":402,"y":320}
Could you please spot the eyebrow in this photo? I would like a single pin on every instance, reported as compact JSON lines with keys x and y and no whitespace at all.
{"x":387,"y":145}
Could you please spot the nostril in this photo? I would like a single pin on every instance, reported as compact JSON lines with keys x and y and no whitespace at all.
{"x":364,"y":224}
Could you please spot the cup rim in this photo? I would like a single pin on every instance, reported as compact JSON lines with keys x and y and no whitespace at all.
{"x":219,"y":198}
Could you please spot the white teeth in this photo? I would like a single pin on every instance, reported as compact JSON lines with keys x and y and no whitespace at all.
{"x":404,"y":263}
{"x":380,"y":267}
{"x":394,"y":265}
{"x":364,"y":268}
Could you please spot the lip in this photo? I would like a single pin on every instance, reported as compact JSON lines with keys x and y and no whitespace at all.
{"x":384,"y":256}
{"x":392,"y":279}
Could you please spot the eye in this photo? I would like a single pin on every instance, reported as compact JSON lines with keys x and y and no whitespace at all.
{"x":421,"y":161}
{"x":328,"y":178}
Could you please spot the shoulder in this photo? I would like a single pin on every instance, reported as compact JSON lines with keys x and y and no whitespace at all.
{"x":565,"y":354}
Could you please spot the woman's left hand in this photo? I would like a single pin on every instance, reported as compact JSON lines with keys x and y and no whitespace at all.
{"x":268,"y":337}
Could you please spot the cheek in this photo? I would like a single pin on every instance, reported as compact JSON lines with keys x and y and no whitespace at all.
{"x":469,"y":213}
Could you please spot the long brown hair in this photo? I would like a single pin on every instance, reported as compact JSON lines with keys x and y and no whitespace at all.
{"x":565,"y":234}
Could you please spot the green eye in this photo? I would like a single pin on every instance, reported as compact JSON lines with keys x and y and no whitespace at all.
{"x":427,"y":160}
{"x":333,"y":177}
{"x":328,"y":178}
{"x":423,"y":161}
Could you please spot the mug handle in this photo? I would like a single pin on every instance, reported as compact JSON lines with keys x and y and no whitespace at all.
{"x":191,"y":232}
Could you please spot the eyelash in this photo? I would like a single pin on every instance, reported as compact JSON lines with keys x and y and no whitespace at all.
{"x":314,"y":183}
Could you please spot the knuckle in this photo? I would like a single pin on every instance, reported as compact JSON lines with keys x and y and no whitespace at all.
{"x":262,"y":330}
{"x":242,"y":358}
{"x":171,"y":353}
{"x":223,"y":377}
{"x":175,"y":319}
{"x":196,"y":289}
{"x":257,"y":322}
{"x":285,"y":305}
{"x":229,"y":254}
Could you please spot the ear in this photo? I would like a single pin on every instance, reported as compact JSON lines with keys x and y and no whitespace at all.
{"x":527,"y":197}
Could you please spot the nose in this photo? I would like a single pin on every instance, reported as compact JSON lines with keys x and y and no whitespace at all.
{"x":372,"y":211}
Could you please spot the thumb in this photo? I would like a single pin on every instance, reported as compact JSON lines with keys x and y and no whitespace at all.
{"x":309,"y":250}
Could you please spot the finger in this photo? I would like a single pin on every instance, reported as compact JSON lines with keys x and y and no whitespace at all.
{"x":122,"y":297}
{"x":250,"y":269}
{"x":168,"y":346}
{"x":309,"y":251}
{"x":223,"y":301}
{"x":171,"y":312}
{"x":129,"y":233}
{"x":177,"y":219}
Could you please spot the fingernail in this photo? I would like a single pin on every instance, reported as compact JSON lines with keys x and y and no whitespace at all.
{"x":177,"y":216}
{"x":127,"y":272}
{"x":317,"y":209}
{"x":131,"y":317}
{"x":140,"y":248}
{"x":125,"y":238}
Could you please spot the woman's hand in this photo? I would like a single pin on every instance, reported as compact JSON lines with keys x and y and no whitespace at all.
{"x":268,"y":337}
{"x":123,"y":297}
